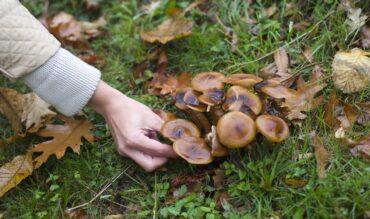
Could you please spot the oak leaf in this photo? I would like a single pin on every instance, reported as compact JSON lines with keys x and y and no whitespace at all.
{"x":25,"y":112}
{"x":351,"y":70}
{"x":169,"y":30}
{"x":63,"y":136}
{"x":12,"y":173}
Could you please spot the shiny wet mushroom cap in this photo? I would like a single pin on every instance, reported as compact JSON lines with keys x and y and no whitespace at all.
{"x":235,"y":129}
{"x":242,"y":79}
{"x":194,"y":150}
{"x":212,"y":97}
{"x":238,"y":97}
{"x":191,"y":100}
{"x":207,"y":80}
{"x":179,"y":98}
{"x":179,"y":128}
{"x":273,"y":128}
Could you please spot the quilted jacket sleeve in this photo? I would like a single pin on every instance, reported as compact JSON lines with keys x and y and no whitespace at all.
{"x":24,"y":43}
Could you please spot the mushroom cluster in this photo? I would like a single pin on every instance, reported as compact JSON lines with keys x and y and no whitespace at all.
{"x":228,"y":112}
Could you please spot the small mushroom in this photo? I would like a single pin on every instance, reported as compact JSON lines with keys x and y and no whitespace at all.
{"x":235,"y":129}
{"x":273,"y":128}
{"x":179,"y":98}
{"x":216,"y":113}
{"x":242,"y":79}
{"x":179,"y":128}
{"x":208,"y":80}
{"x":212,"y":97}
{"x":165,"y":115}
{"x":192,"y":102}
{"x":194,"y":150}
{"x":217,"y":149}
{"x":237,"y":97}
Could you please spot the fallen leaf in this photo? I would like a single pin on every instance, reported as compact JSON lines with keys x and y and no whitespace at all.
{"x":354,"y":18}
{"x":75,"y":214}
{"x":295,"y":183}
{"x":338,"y":114}
{"x":169,"y":30}
{"x":25,"y":112}
{"x":89,"y":58}
{"x":282,"y":61}
{"x":270,"y":11}
{"x":219,"y":179}
{"x":307,"y":53}
{"x":351,"y":70}
{"x":72,"y":32}
{"x":364,"y":117}
{"x":365,"y":37}
{"x":91,"y":5}
{"x":321,"y":155}
{"x":361,"y":148}
{"x":116,"y":216}
{"x":14,"y":172}
{"x":63,"y":136}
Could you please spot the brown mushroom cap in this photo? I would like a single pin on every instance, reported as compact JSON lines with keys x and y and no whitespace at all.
{"x":212,"y":97}
{"x":165,"y":115}
{"x":217,"y":149}
{"x":242,"y":79}
{"x":238,"y":96}
{"x":235,"y":129}
{"x":191,"y":101}
{"x":273,"y":128}
{"x":194,"y":150}
{"x":179,"y":98}
{"x":208,"y":80}
{"x":179,"y":128}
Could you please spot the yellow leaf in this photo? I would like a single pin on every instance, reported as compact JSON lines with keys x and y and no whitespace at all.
{"x":351,"y":70}
{"x":12,"y":173}
{"x":169,"y":30}
{"x":64,"y":136}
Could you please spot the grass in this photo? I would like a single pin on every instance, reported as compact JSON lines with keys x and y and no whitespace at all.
{"x":255,"y":180}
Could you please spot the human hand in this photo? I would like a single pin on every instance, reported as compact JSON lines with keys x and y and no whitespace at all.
{"x":133,"y":126}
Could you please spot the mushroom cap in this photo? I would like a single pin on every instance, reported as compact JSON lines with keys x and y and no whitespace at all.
{"x":179,"y":98}
{"x":217,"y":149}
{"x":212,"y":97}
{"x":191,"y":100}
{"x":235,"y":129}
{"x":273,"y":128}
{"x":194,"y":150}
{"x":242,"y":79}
{"x":164,"y":115}
{"x":238,"y":96}
{"x":179,"y":128}
{"x":208,"y":80}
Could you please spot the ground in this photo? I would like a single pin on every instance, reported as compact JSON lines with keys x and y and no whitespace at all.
{"x":255,"y":180}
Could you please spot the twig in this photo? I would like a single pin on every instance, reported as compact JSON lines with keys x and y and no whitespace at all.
{"x":101,"y":191}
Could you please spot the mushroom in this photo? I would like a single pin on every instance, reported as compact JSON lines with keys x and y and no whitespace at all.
{"x":191,"y":101}
{"x":242,"y":79}
{"x":179,"y":98}
{"x":278,"y":90}
{"x":238,"y":96}
{"x":235,"y":129}
{"x":273,"y":128}
{"x":164,"y":115}
{"x":217,"y":149}
{"x":207,"y":80}
{"x":212,"y":97}
{"x":216,"y":113}
{"x":194,"y":150}
{"x":179,"y":128}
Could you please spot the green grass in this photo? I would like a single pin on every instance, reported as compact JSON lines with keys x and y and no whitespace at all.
{"x":255,"y":179}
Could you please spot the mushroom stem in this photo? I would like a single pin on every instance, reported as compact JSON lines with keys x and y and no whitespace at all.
{"x":200,"y":120}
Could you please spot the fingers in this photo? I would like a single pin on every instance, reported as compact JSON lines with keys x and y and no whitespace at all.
{"x":148,"y":163}
{"x":156,"y":123}
{"x":153,"y":147}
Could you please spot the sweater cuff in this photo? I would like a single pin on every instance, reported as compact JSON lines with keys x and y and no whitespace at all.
{"x":64,"y":81}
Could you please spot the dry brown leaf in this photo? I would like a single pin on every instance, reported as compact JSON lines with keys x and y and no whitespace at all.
{"x":282,"y":61}
{"x":338,"y":114}
{"x":361,"y":148}
{"x":351,"y":70}
{"x":63,"y":136}
{"x":91,"y":5}
{"x":12,"y":173}
{"x":72,"y":32}
{"x":270,"y":11}
{"x":169,"y":30}
{"x":307,"y":53}
{"x":75,"y":214}
{"x":295,"y":183}
{"x":321,"y":154}
{"x":25,"y":112}
{"x":354,"y":18}
{"x":364,"y":117}
{"x":89,"y":58}
{"x":365,"y":37}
